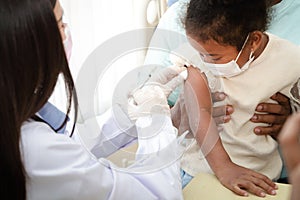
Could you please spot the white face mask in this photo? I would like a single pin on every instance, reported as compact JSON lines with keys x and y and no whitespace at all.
{"x":231,"y":68}
{"x":68,"y":43}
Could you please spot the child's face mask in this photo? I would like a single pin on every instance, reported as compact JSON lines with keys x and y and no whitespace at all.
{"x":231,"y":68}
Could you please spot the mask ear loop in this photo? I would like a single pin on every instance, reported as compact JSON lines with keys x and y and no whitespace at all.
{"x":251,"y":56}
{"x":238,"y":56}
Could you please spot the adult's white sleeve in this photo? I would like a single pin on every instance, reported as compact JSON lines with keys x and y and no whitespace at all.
{"x":58,"y":167}
{"x":107,"y":133}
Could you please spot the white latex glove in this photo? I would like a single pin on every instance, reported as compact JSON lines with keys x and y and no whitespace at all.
{"x":151,"y":98}
{"x":178,"y":61}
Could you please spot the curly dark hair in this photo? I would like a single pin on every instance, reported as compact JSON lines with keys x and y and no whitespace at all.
{"x":228,"y":22}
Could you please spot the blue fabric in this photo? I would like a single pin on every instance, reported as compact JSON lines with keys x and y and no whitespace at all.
{"x":53,"y":116}
{"x":170,"y":2}
{"x":284,"y":173}
{"x":185,"y":178}
{"x":285,"y":19}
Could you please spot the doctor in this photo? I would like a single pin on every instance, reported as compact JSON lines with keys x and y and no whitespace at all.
{"x":38,"y":163}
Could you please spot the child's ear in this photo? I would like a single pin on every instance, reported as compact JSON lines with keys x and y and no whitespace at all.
{"x":256,"y":38}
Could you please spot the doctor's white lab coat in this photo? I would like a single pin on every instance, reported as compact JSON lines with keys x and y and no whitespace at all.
{"x":58,"y":167}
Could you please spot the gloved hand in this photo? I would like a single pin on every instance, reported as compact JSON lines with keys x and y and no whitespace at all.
{"x":151,"y":98}
{"x":179,"y":61}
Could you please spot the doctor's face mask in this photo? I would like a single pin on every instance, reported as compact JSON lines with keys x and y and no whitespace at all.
{"x":64,"y":29}
{"x":218,"y":59}
{"x":68,"y":43}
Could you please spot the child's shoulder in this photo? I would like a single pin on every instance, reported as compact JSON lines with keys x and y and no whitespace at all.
{"x":196,"y":75}
{"x":198,"y":85}
{"x":282,"y":43}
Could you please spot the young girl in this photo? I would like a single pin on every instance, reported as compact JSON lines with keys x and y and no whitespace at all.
{"x":237,"y":54}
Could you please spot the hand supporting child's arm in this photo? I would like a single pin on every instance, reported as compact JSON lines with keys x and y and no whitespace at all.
{"x":236,"y":178}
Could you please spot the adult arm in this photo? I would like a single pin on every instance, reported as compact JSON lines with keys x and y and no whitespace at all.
{"x":289,"y":142}
{"x":60,"y":168}
{"x":273,"y":114}
{"x":107,"y":133}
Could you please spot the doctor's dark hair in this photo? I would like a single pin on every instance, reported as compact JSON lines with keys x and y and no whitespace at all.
{"x":228,"y":22}
{"x":31,"y":58}
{"x":53,"y":2}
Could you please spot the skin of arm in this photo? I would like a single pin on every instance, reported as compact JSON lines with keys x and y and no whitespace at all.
{"x":198,"y":103}
{"x":273,"y":114}
{"x":196,"y":92}
{"x":289,"y":142}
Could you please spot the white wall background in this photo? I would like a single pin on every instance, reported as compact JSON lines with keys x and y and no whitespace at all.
{"x":94,"y":21}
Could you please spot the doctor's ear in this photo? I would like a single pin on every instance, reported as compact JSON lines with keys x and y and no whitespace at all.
{"x":256,"y":39}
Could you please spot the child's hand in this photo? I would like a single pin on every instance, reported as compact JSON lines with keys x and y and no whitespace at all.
{"x":241,"y":181}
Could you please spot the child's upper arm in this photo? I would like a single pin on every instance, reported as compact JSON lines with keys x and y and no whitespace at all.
{"x":196,"y":89}
{"x":198,"y":101}
{"x":199,"y":108}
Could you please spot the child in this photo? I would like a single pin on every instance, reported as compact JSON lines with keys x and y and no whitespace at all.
{"x":237,"y":53}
